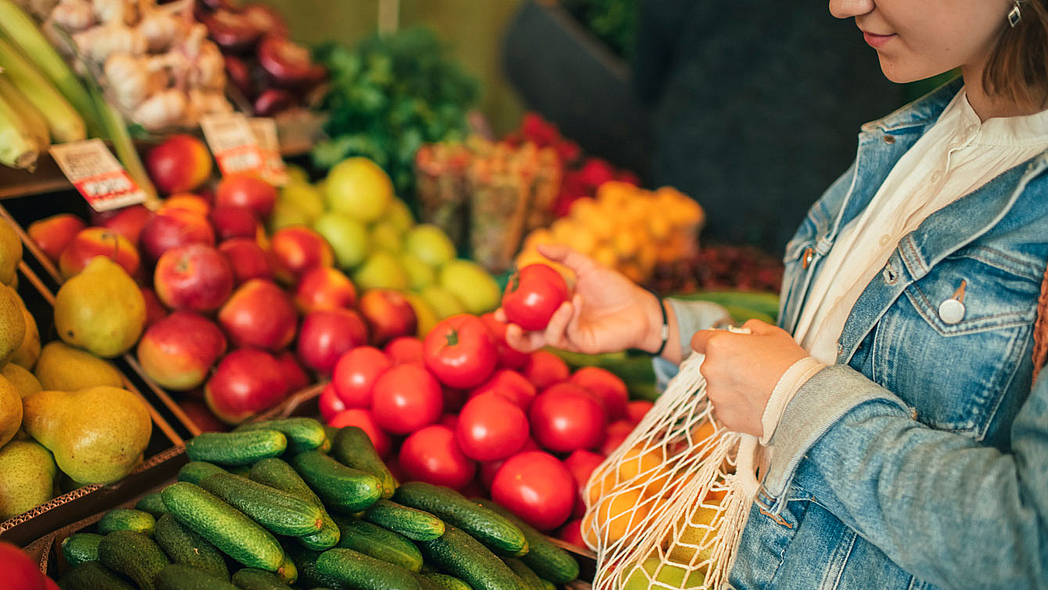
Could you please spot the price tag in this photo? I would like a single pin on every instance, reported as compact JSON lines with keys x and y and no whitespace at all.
{"x":233,"y":143}
{"x":273,"y":169}
{"x":97,"y":175}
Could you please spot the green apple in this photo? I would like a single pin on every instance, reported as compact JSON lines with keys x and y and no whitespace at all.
{"x":359,"y":188}
{"x":386,"y":238}
{"x":471,"y":284}
{"x":285,"y":214}
{"x":444,"y":303}
{"x":381,"y":270}
{"x":347,"y":236}
{"x":420,"y":274}
{"x":430,"y":244}
{"x":304,"y":196}
{"x":399,"y":215}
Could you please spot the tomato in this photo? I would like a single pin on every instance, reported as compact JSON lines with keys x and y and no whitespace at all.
{"x":581,"y":465}
{"x":636,"y":410}
{"x":510,"y":385}
{"x":565,"y":418}
{"x":330,"y":403}
{"x":449,"y":420}
{"x":433,"y":456}
{"x":406,"y":398}
{"x":491,"y":427}
{"x":607,"y":387}
{"x":509,"y":357}
{"x":404,"y":349}
{"x":537,"y":487}
{"x":363,"y":420}
{"x":545,"y":369}
{"x":20,"y":571}
{"x":617,"y":432}
{"x":571,"y":533}
{"x":356,"y":373}
{"x":532,"y":296}
{"x":453,"y":398}
{"x":460,"y":351}
{"x":490,"y":468}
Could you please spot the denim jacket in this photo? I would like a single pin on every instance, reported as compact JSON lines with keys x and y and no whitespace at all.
{"x":920,"y":459}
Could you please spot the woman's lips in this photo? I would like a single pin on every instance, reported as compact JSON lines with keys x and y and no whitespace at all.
{"x":876,"y":41}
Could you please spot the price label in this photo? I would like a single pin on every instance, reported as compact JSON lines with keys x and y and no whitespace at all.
{"x":233,"y":143}
{"x":97,"y":175}
{"x":273,"y":169}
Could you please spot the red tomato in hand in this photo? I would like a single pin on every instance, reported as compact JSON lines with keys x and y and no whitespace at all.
{"x":330,"y":403}
{"x":581,"y":465}
{"x":536,"y":487}
{"x":532,"y":296}
{"x":509,"y":357}
{"x":363,"y":420}
{"x":432,"y":455}
{"x":510,"y":385}
{"x":565,"y":418}
{"x":491,"y":427}
{"x":545,"y":369}
{"x":607,"y":387}
{"x":404,"y":349}
{"x":460,"y":351}
{"x":406,"y":398}
{"x":356,"y":373}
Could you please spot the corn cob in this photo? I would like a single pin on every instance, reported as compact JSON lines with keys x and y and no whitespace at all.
{"x":64,"y":123}
{"x":18,"y":148}
{"x":34,"y":119}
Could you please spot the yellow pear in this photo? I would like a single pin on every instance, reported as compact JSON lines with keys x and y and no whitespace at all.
{"x":29,"y":351}
{"x":10,"y":411}
{"x":24,"y":381}
{"x":10,"y":252}
{"x":101,"y":309}
{"x":64,"y":368}
{"x":27,"y":475}
{"x":12,"y":323}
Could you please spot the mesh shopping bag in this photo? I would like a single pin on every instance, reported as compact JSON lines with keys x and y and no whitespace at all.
{"x":666,"y":509}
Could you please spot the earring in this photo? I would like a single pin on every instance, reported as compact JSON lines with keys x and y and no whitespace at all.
{"x":1015,"y":15}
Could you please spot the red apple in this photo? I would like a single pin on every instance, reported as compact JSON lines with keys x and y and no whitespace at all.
{"x":179,"y":164}
{"x":246,"y":190}
{"x":194,"y":277}
{"x":189,"y":202}
{"x":155,"y":311}
{"x":297,"y":249}
{"x":294,"y":374}
{"x":172,"y":228}
{"x":127,"y":222}
{"x":97,"y":241}
{"x":247,"y":259}
{"x":202,"y":417}
{"x":363,"y":420}
{"x":246,"y":381}
{"x":388,"y":314}
{"x":329,"y":403}
{"x":404,"y":349}
{"x":324,"y":288}
{"x":327,"y":334}
{"x":53,"y":234}
{"x":178,"y":351}
{"x":259,"y":314}
{"x":233,"y":222}
{"x":355,"y":375}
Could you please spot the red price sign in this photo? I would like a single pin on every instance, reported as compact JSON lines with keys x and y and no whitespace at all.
{"x":97,"y":175}
{"x":233,"y":144}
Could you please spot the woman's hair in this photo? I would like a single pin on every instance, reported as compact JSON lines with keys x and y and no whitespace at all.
{"x":1018,"y":64}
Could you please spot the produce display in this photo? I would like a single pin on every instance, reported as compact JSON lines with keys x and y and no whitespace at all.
{"x":290,"y":504}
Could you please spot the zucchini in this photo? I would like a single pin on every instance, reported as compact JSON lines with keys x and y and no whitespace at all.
{"x":127,"y":519}
{"x":251,"y":578}
{"x":414,"y":524}
{"x":352,"y":447}
{"x":489,"y":528}
{"x":153,"y":504}
{"x":462,"y":556}
{"x":81,"y":548}
{"x":184,"y":577}
{"x":544,"y":558}
{"x":277,"y":510}
{"x":133,"y":555}
{"x":198,"y":471}
{"x":186,"y":547}
{"x":228,"y":529}
{"x":236,"y":448}
{"x":341,"y":488}
{"x":378,"y":542}
{"x":92,"y":575}
{"x":356,"y":570}
{"x":303,"y":434}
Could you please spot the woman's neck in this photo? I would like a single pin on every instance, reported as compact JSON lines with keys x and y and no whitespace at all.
{"x":987,"y":106}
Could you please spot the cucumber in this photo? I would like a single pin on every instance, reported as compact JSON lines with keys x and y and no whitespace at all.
{"x":276,"y":473}
{"x":529,"y":578}
{"x":453,"y":508}
{"x":341,"y":488}
{"x":308,"y":575}
{"x":303,"y":434}
{"x":184,"y":577}
{"x":251,"y":578}
{"x":356,"y":570}
{"x":228,"y":529}
{"x":352,"y":447}
{"x":414,"y":524}
{"x":327,"y":537}
{"x":236,"y":448}
{"x":186,"y":547}
{"x":380,"y":543}
{"x":127,"y":519}
{"x":133,"y":555}
{"x":446,"y":582}
{"x":277,"y":510}
{"x":462,"y":556}
{"x":198,"y":471}
{"x":153,"y":504}
{"x":288,"y":571}
{"x":544,"y":558}
{"x":92,"y":575}
{"x":81,"y":548}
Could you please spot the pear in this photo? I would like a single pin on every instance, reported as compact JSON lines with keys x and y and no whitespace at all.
{"x":101,"y":309}
{"x":10,"y":252}
{"x":97,"y":434}
{"x":10,"y":411}
{"x":12,"y":323}
{"x":29,"y":351}
{"x":64,"y":368}
{"x":24,"y":381}
{"x":27,"y":475}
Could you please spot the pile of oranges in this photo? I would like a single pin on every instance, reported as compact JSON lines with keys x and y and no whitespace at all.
{"x":626,"y":228}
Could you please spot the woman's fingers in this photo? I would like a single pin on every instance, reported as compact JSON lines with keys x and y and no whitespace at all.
{"x":758,"y":327}
{"x":568,"y":257}
{"x":523,"y":341}
{"x":557,"y":327}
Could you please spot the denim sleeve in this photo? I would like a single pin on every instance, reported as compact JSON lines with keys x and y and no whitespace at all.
{"x":692,"y":316}
{"x":944,"y":507}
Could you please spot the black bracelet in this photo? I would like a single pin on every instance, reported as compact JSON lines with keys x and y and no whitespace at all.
{"x":665,"y":326}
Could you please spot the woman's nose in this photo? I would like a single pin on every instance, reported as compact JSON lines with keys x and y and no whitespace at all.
{"x":850,"y":8}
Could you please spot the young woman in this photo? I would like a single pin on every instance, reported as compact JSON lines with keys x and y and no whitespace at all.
{"x":908,"y":439}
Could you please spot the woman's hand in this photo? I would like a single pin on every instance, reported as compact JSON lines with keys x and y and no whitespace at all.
{"x":741,"y":371}
{"x":607,"y":313}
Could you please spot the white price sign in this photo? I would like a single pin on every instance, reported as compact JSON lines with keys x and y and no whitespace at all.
{"x":97,"y":175}
{"x":233,"y":143}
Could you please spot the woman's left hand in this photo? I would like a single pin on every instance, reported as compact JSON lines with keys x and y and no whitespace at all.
{"x":741,"y":371}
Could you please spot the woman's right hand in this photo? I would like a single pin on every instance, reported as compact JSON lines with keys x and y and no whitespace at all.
{"x":607,"y":313}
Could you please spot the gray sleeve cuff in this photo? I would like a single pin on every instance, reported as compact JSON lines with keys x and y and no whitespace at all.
{"x":693,"y":316}
{"x":818,"y":404}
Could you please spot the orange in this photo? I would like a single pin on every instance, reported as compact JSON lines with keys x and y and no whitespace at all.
{"x":621,"y":514}
{"x":616,"y":192}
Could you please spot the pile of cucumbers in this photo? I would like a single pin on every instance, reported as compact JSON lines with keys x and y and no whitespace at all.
{"x":289,"y":504}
